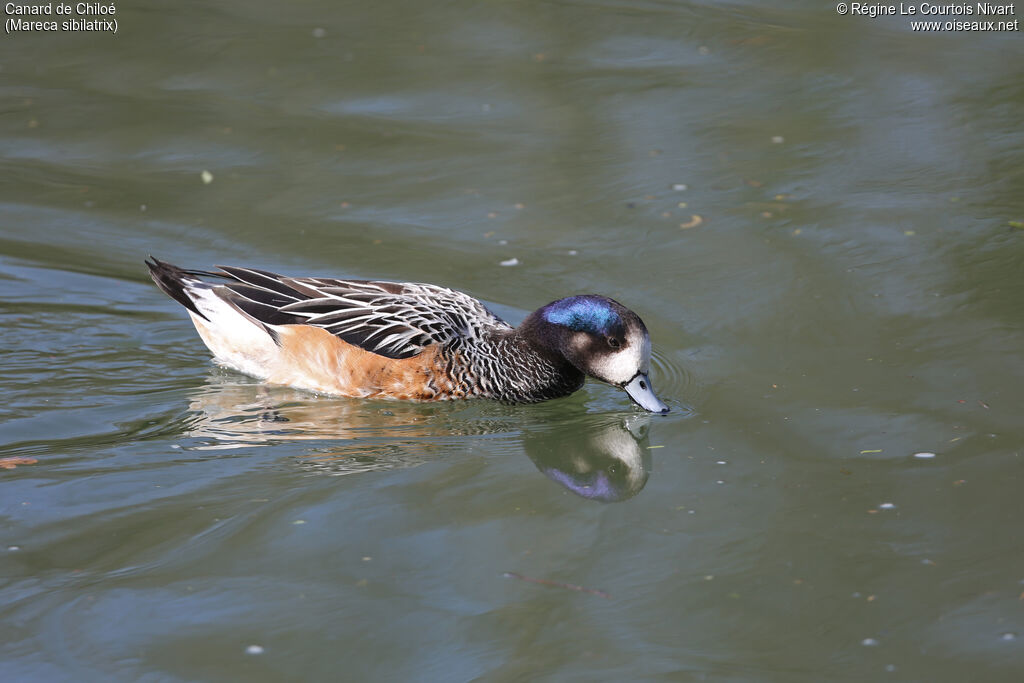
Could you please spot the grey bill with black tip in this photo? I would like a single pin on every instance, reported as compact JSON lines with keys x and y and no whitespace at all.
{"x":639,"y":389}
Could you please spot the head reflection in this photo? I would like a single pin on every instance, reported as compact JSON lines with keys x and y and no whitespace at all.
{"x":608,"y":462}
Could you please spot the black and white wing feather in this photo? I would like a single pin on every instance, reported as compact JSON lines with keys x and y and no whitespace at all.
{"x":392,"y":319}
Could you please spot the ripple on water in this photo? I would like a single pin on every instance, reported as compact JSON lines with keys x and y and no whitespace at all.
{"x":671,"y":378}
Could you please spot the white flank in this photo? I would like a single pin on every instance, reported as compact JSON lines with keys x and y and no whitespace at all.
{"x":235,"y":339}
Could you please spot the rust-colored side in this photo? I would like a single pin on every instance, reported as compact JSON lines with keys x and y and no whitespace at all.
{"x":312,"y":358}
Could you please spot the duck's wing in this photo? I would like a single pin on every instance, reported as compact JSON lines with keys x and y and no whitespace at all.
{"x":392,"y":319}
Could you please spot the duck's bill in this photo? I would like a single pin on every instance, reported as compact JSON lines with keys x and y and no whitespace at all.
{"x":639,"y":389}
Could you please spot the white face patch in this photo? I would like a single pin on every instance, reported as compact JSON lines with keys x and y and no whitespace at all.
{"x":620,"y":444}
{"x":622,"y":366}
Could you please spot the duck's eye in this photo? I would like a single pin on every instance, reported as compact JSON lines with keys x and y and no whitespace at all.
{"x":614,"y":343}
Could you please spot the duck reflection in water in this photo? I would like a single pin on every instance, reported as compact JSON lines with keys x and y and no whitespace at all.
{"x":599,"y":457}
{"x":343,"y":436}
{"x":609,"y":462}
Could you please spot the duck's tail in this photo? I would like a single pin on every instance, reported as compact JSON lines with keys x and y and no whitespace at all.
{"x":175,"y":282}
{"x":236,"y":338}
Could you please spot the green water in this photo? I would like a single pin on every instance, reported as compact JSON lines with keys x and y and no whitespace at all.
{"x":846,"y":293}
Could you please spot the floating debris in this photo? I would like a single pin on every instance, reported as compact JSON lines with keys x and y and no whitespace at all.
{"x":871,"y":450}
{"x":254,"y":650}
{"x":924,"y":455}
{"x":694,"y":221}
{"x":679,"y":187}
{"x":869,"y":642}
{"x":1009,"y":635}
{"x":207,"y":177}
{"x":558,"y":584}
{"x":887,"y":506}
{"x":510,"y":262}
{"x":778,"y":139}
{"x":11,"y":463}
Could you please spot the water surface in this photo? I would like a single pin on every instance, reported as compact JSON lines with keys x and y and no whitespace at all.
{"x":818,"y":218}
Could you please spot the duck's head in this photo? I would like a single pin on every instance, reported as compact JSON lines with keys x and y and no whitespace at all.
{"x":605,"y":340}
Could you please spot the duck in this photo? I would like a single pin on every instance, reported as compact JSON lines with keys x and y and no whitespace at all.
{"x":377,"y":339}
